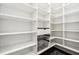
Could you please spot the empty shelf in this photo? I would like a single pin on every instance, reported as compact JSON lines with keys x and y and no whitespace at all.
{"x":24,"y":19}
{"x":68,"y":48}
{"x":18,"y":33}
{"x":20,"y":47}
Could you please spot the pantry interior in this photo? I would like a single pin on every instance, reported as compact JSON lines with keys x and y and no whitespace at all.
{"x":34,"y":28}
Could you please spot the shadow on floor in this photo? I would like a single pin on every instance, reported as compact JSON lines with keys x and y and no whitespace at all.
{"x":54,"y":51}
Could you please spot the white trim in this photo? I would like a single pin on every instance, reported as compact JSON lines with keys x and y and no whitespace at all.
{"x":71,"y":30}
{"x":28,"y":32}
{"x":71,"y":40}
{"x":64,"y":39}
{"x":54,"y":38}
{"x":67,"y":30}
{"x":71,"y":21}
{"x":49,"y":9}
{"x":63,"y":23}
{"x":56,"y":30}
{"x":43,"y":33}
{"x":66,"y":22}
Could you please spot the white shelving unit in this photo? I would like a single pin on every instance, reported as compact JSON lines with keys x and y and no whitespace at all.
{"x":66,"y":35}
{"x":71,"y":26}
{"x":56,"y":23}
{"x":18,"y":28}
{"x":43,"y":18}
{"x":43,"y":22}
{"x":24,"y":46}
{"x":21,"y":23}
